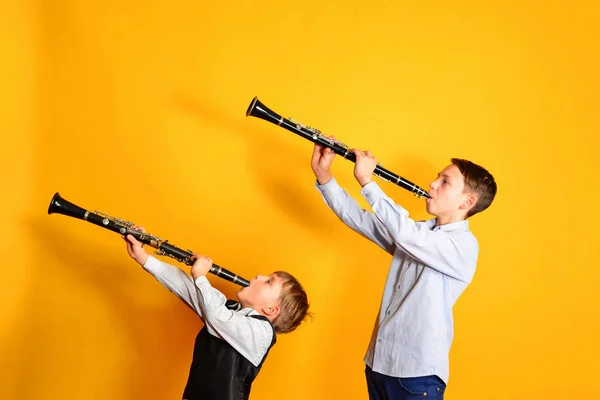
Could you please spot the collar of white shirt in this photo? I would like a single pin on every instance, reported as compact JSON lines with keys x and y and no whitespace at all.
{"x":453,"y":226}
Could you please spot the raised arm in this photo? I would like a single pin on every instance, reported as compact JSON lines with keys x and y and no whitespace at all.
{"x":169,"y":276}
{"x":176,"y":280}
{"x":349,"y":211}
{"x":344,"y":206}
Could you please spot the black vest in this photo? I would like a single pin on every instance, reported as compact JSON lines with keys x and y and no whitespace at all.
{"x":218,"y":371}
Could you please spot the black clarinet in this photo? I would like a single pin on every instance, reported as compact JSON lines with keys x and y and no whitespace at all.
{"x":259,"y":110}
{"x":61,"y":206}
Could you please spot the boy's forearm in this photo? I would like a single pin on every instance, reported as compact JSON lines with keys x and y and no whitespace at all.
{"x":350,"y":213}
{"x":209,"y":298}
{"x":175,"y":280}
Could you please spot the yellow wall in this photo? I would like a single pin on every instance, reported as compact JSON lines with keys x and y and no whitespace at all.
{"x":138,"y":109}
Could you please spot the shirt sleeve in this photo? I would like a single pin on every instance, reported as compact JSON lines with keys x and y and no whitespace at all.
{"x":251,"y":337}
{"x":451,"y":253}
{"x":176,"y":280}
{"x":361,"y":221}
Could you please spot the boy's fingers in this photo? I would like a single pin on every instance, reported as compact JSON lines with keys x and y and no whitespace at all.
{"x":132,"y":240}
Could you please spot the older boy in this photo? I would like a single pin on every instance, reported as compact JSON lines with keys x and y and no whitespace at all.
{"x":433,"y":262}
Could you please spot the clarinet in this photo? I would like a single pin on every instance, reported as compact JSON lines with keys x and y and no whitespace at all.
{"x":61,"y":206}
{"x":259,"y":110}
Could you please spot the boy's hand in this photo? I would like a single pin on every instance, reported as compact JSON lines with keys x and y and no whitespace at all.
{"x":201,"y":266}
{"x":321,"y":162}
{"x":135,"y":249}
{"x":364,"y":167}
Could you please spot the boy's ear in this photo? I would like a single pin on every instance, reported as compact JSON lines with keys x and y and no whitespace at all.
{"x":469,"y":202}
{"x":271,"y":311}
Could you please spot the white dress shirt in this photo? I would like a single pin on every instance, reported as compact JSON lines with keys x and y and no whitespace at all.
{"x":251,"y":337}
{"x":431,"y":267}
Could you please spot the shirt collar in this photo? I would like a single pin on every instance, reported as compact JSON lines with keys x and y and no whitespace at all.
{"x":236,"y":306}
{"x":453,"y":226}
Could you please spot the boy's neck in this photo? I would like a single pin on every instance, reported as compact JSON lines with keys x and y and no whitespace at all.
{"x":244,"y":305}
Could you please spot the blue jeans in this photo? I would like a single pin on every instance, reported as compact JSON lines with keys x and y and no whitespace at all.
{"x":384,"y":387}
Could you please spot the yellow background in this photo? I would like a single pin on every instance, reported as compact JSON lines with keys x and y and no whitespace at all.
{"x":138,"y":109}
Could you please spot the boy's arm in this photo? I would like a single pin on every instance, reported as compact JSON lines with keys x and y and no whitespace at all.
{"x":453,"y":254}
{"x":348,"y":210}
{"x":176,"y":280}
{"x":251,"y":337}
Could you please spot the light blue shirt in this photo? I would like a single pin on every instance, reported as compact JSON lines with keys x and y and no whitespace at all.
{"x":431,"y":267}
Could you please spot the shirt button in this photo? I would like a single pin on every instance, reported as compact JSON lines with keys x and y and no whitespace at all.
{"x":389,"y":312}
{"x":398,"y":286}
{"x":379,"y":340}
{"x":425,"y":394}
{"x":438,"y":389}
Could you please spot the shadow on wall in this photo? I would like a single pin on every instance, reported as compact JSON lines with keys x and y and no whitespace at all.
{"x":292,"y":193}
{"x":157,"y":340}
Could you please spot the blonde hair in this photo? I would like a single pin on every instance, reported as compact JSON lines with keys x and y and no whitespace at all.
{"x":293,"y":304}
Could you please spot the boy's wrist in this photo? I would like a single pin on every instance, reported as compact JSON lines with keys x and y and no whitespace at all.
{"x":363,"y":180}
{"x":141,"y":258}
{"x":196,"y":273}
{"x":324,"y":178}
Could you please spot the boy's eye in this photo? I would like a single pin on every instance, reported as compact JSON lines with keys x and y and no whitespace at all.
{"x":269,"y":281}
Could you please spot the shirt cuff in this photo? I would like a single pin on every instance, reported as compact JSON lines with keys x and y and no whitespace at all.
{"x":151,"y":264}
{"x":372,"y":192}
{"x":201,"y":281}
{"x":330,"y":188}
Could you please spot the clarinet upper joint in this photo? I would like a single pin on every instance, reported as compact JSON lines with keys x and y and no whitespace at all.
{"x":300,"y":125}
{"x":118,"y":221}
{"x":332,"y":142}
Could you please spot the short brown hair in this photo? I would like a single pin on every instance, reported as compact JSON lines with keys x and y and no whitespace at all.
{"x":293,"y":304}
{"x":479,"y":181}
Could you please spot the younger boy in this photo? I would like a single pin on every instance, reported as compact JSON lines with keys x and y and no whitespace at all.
{"x":433,"y":263}
{"x":237,"y":336}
